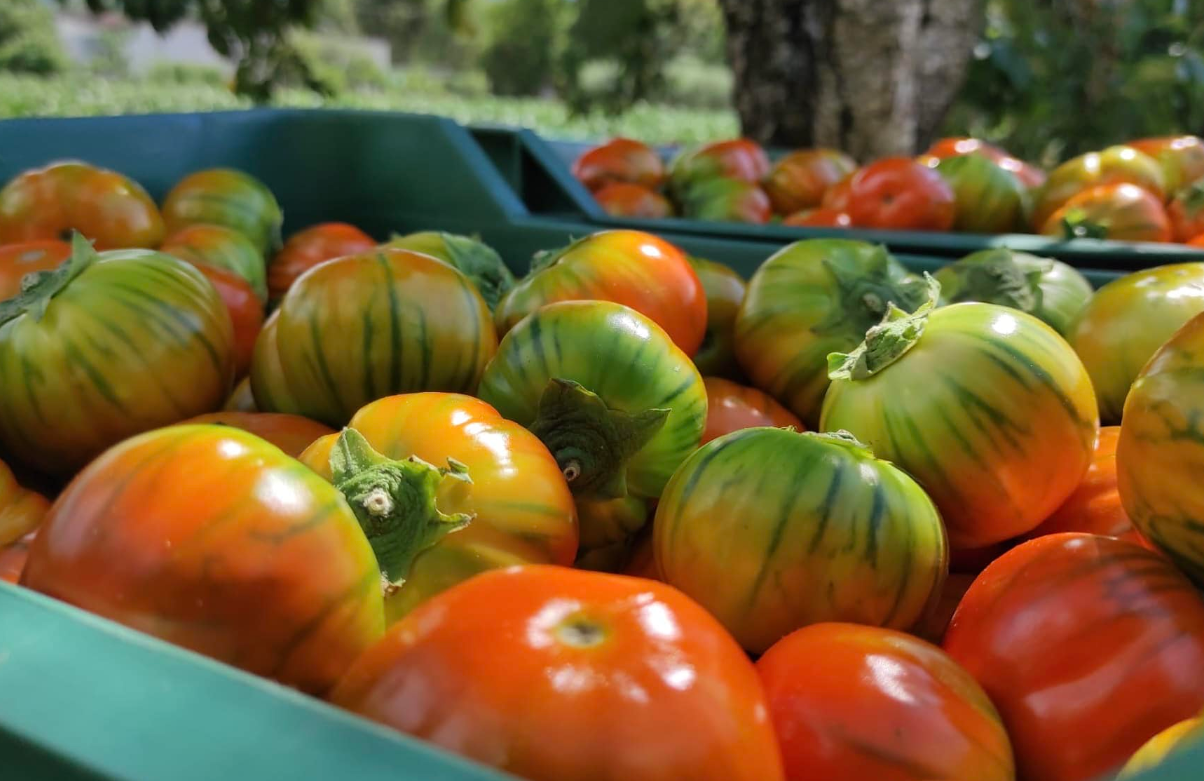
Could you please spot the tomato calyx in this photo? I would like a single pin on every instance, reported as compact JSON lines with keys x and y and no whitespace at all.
{"x":886,"y":342}
{"x":38,"y":288}
{"x":394,"y":502}
{"x":994,"y":277}
{"x":591,"y":441}
{"x":867,"y":294}
{"x":469,"y":255}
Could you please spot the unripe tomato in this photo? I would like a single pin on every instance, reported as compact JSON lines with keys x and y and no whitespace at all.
{"x":1114,"y":165}
{"x":724,"y":290}
{"x":232,"y":199}
{"x":726,"y":200}
{"x":1121,"y":212}
{"x":738,"y":158}
{"x":225,"y":248}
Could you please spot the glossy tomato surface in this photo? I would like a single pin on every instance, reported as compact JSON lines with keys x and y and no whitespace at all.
{"x":739,"y":158}
{"x":859,"y":702}
{"x":623,"y":199}
{"x":897,"y":193}
{"x":291,"y":433}
{"x":605,"y":677}
{"x":732,"y":407}
{"x":724,"y":290}
{"x":245,"y":310}
{"x":799,"y":180}
{"x":1114,"y":165}
{"x":225,"y":248}
{"x":1120,"y":212}
{"x":30,"y":257}
{"x":311,"y":246}
{"x":232,"y":199}
{"x":619,"y":160}
{"x":1181,"y":158}
{"x":988,"y":198}
{"x":470,"y":256}
{"x":1087,"y":645}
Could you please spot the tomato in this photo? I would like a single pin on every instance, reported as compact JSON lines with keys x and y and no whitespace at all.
{"x":621,"y":199}
{"x":608,"y":529}
{"x":1198,"y":241}
{"x":811,"y":299}
{"x":900,"y":194}
{"x":105,"y":347}
{"x":732,"y":407}
{"x":1087,"y":645}
{"x":13,"y":557}
{"x":307,"y":248}
{"x":210,"y":538}
{"x":1127,"y":321}
{"x":467,"y":463}
{"x":1178,"y":737}
{"x":242,"y":399}
{"x":291,"y":433}
{"x":1121,"y":212}
{"x":604,"y":387}
{"x":1029,"y":175}
{"x":633,"y":268}
{"x":363,"y":327}
{"x":1114,"y":165}
{"x":724,"y":290}
{"x":30,"y":257}
{"x":1161,"y":445}
{"x":859,"y":702}
{"x":108,"y":208}
{"x":738,"y":158}
{"x":988,"y":199}
{"x":245,"y":309}
{"x":1095,"y":506}
{"x":819,"y":218}
{"x":605,"y":677}
{"x":1181,"y":158}
{"x":934,"y":625}
{"x":225,"y":248}
{"x":232,"y":199}
{"x":958,"y":146}
{"x":726,"y":200}
{"x":837,"y":196}
{"x":619,"y":160}
{"x":799,"y":180}
{"x":772,"y":530}
{"x":1186,"y":212}
{"x":988,"y":408}
{"x":472,"y":258}
{"x":1050,"y":290}
{"x":21,"y":510}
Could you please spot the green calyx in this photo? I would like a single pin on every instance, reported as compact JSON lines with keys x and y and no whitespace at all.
{"x":591,"y":442}
{"x":867,"y":291}
{"x":842,"y":439}
{"x":394,"y":502}
{"x":996,"y":277}
{"x":886,"y":342}
{"x":39,"y":287}
{"x":469,"y":255}
{"x":550,"y":257}
{"x":1077,"y":224}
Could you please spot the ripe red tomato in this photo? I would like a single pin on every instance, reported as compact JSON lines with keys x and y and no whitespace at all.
{"x":731,"y":407}
{"x":1186,"y":211}
{"x":1088,"y":646}
{"x":306,"y":249}
{"x":1121,"y":212}
{"x":899,"y":193}
{"x":555,"y":674}
{"x":868,"y":704}
{"x":291,"y":433}
{"x":621,"y":199}
{"x":246,"y":312}
{"x":620,"y":160}
{"x":17,"y":260}
{"x":819,"y":218}
{"x":799,"y":180}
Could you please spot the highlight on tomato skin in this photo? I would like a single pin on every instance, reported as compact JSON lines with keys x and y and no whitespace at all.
{"x":897,"y":193}
{"x":732,"y":407}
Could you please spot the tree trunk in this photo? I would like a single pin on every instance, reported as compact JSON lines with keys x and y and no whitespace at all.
{"x":870,"y":77}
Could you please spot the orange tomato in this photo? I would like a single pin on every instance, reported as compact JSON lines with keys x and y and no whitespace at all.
{"x":13,"y":557}
{"x":837,"y":197}
{"x":620,"y":160}
{"x":1094,"y":507}
{"x":21,"y":510}
{"x":17,"y":260}
{"x":291,"y":433}
{"x":1186,"y":211}
{"x":819,"y":218}
{"x":555,"y":674}
{"x":899,"y":193}
{"x":1088,"y":646}
{"x":306,"y":249}
{"x":623,"y":199}
{"x":1181,"y":157}
{"x":106,"y":207}
{"x":731,"y":407}
{"x":1114,"y":165}
{"x":246,"y":312}
{"x":868,"y":704}
{"x":1122,"y":212}
{"x":226,"y":248}
{"x":799,"y":180}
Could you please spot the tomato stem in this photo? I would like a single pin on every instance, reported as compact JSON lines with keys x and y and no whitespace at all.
{"x":37,"y":289}
{"x":995,"y":277}
{"x":886,"y":342}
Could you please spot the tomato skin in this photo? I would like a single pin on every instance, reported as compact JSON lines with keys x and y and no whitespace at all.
{"x":212,"y":539}
{"x":988,"y":198}
{"x":838,"y":195}
{"x":897,"y":193}
{"x":108,"y":208}
{"x":732,"y":407}
{"x":474,"y":259}
{"x":619,"y":160}
{"x":819,"y":218}
{"x":1186,"y":212}
{"x":1127,"y":321}
{"x":1121,"y":212}
{"x":859,"y":702}
{"x":224,"y":248}
{"x":726,"y":200}
{"x":595,"y":684}
{"x":1087,"y":645}
{"x":799,"y":180}
{"x":367,"y":326}
{"x":17,"y":260}
{"x":768,"y":551}
{"x":632,"y":268}
{"x":1198,"y":241}
{"x":522,"y":510}
{"x":1171,"y":740}
{"x":245,"y":309}
{"x":724,"y":290}
{"x":1181,"y":158}
{"x":738,"y":158}
{"x":13,"y":557}
{"x":291,"y":433}
{"x":1095,"y":506}
{"x":1114,"y":165}
{"x":622,"y":199}
{"x":232,"y":199}
{"x":21,"y":510}
{"x":311,"y":246}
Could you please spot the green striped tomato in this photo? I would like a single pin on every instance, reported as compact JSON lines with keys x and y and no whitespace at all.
{"x":362,"y":327}
{"x":213,"y":245}
{"x":1127,"y":321}
{"x":810,"y":299}
{"x":724,"y":290}
{"x":475,"y":259}
{"x":772,"y":530}
{"x":617,"y":403}
{"x":229,"y":198}
{"x":989,"y":199}
{"x":105,"y":347}
{"x":1050,"y":290}
{"x":988,"y":408}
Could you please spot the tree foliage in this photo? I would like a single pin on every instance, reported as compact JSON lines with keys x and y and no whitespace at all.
{"x":28,"y":42}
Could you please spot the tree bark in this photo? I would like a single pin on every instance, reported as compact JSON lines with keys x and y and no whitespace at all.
{"x":870,"y":77}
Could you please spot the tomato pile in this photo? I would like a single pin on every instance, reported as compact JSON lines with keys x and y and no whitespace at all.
{"x":629,"y":516}
{"x":1150,"y":189}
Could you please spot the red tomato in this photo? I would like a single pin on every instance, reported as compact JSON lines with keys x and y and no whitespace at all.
{"x":956,"y":146}
{"x":13,"y":557}
{"x":836,"y":199}
{"x":868,"y":704}
{"x":1088,"y":646}
{"x":246,"y":312}
{"x":620,"y":160}
{"x":291,"y":433}
{"x":1094,"y":507}
{"x":819,"y":218}
{"x":731,"y":407}
{"x":17,"y":260}
{"x":555,"y":674}
{"x":621,"y":199}
{"x":799,"y":180}
{"x":899,"y":193}
{"x":306,"y":249}
{"x":1186,"y":211}
{"x":1198,"y":241}
{"x":1121,"y":212}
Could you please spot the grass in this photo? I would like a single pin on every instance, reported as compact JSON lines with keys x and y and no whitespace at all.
{"x":81,"y":94}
